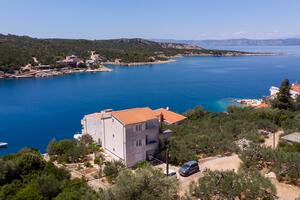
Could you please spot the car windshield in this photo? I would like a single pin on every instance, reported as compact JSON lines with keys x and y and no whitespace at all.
{"x":185,"y":166}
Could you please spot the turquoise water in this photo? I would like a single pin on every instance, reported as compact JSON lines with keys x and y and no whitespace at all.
{"x":33,"y":111}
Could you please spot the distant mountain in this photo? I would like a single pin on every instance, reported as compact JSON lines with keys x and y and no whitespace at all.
{"x":237,"y":42}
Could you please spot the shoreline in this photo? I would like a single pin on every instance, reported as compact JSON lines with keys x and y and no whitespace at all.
{"x":53,"y":72}
{"x":140,"y":63}
{"x":170,"y":59}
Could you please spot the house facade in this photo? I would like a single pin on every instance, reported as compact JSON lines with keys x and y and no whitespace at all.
{"x":129,"y":135}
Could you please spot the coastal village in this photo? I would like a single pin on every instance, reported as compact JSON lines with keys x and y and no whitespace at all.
{"x":265,"y":102}
{"x":150,"y":100}
{"x":71,"y":64}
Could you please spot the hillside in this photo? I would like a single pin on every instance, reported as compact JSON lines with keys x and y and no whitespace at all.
{"x":18,"y":51}
{"x":238,"y":42}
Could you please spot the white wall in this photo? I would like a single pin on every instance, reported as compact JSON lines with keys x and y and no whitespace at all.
{"x":92,"y":126}
{"x":114,"y":138}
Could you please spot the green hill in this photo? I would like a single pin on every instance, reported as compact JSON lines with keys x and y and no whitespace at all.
{"x":18,"y":51}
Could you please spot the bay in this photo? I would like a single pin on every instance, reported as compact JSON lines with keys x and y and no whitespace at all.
{"x":34,"y":111}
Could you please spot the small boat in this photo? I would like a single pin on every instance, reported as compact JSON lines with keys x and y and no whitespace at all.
{"x":77,"y":136}
{"x":3,"y":144}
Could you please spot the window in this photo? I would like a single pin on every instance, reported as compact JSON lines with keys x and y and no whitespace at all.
{"x":138,"y":143}
{"x":150,"y":125}
{"x":138,"y":127}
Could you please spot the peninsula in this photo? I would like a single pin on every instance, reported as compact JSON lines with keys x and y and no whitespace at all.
{"x":23,"y":56}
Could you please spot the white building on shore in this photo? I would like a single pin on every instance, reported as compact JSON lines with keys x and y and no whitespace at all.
{"x":294,"y":91}
{"x":129,"y":135}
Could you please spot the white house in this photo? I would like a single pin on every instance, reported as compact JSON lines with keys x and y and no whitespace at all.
{"x":294,"y":91}
{"x":129,"y":135}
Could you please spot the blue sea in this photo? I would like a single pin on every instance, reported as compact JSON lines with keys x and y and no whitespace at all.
{"x":34,"y":111}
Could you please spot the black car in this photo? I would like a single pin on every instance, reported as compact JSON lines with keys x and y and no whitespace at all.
{"x":189,"y":168}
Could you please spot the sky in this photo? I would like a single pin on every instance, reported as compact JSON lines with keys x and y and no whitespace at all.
{"x":151,"y":19}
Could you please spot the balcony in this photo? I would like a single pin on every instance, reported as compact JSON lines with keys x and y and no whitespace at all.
{"x":151,"y":142}
{"x":151,"y":145}
{"x":150,"y":126}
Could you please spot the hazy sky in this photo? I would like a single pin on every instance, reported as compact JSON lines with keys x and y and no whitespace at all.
{"x":167,"y":19}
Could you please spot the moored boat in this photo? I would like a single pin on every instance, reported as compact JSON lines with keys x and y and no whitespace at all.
{"x":3,"y":144}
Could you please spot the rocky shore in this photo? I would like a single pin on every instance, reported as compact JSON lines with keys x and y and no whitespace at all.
{"x":54,"y":72}
{"x":141,"y":63}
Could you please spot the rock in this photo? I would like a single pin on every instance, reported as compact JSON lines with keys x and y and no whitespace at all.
{"x":271,"y":175}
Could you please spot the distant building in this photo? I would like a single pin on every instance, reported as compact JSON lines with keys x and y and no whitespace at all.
{"x":129,"y":135}
{"x":263,"y":105}
{"x":72,"y":61}
{"x":294,"y":91}
{"x":95,"y":60}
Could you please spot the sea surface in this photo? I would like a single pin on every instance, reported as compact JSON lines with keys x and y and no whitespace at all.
{"x":34,"y":111}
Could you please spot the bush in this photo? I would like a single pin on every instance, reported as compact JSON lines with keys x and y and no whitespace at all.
{"x":26,"y":175}
{"x":87,"y":164}
{"x":286,"y":165}
{"x":145,"y":183}
{"x":67,"y":151}
{"x":230,"y":185}
{"x":112,"y":169}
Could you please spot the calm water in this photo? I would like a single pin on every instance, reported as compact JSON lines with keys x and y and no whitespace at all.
{"x":33,"y":111}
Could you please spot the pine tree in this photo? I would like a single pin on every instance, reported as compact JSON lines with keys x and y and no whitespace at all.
{"x":297,"y":103}
{"x":283,"y":100}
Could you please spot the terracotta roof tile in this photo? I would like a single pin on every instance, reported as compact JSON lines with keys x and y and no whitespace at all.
{"x":263,"y":105}
{"x":134,"y":115}
{"x":296,"y":87}
{"x":169,"y":116}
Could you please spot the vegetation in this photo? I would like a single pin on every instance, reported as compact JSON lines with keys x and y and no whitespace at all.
{"x":143,"y":183}
{"x":68,"y":151}
{"x":246,"y":184}
{"x":26,"y":175}
{"x":111,"y":170}
{"x":18,"y":51}
{"x":284,"y":99}
{"x":206,"y":134}
{"x":284,"y":161}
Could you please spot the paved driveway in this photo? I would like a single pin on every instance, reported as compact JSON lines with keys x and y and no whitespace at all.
{"x":213,"y":163}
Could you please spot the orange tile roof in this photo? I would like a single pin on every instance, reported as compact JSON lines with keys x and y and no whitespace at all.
{"x":134,"y":115}
{"x":296,"y":87}
{"x":169,"y":116}
{"x":263,"y":105}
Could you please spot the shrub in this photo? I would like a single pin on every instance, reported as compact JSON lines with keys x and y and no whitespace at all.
{"x":230,"y":185}
{"x":112,"y":169}
{"x":87,"y":164}
{"x":145,"y":183}
{"x":286,"y":165}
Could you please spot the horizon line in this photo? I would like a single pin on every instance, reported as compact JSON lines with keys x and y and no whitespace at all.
{"x":116,"y":38}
